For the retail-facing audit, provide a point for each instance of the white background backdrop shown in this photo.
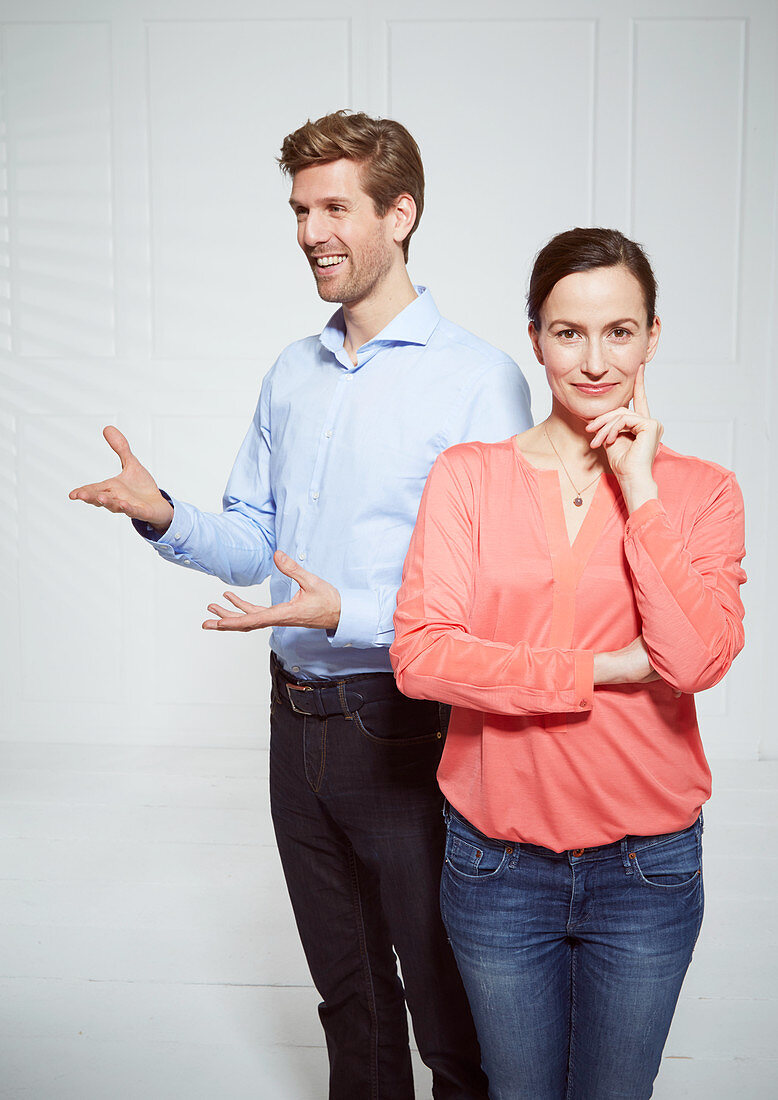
(150, 277)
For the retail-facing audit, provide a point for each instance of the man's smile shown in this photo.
(328, 261)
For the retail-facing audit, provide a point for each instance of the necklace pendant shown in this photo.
(577, 501)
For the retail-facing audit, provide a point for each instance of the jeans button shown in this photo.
(578, 851)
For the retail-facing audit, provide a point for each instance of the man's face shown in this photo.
(350, 249)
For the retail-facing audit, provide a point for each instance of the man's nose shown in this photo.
(315, 229)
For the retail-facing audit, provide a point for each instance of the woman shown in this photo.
(568, 590)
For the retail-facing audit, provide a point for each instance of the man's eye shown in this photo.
(337, 209)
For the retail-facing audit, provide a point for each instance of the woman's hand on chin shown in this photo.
(630, 439)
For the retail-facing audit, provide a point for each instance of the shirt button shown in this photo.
(301, 556)
(295, 668)
(315, 496)
(177, 535)
(328, 434)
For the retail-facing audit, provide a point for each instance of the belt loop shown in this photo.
(625, 854)
(342, 697)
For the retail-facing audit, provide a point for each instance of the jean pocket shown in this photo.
(468, 860)
(672, 864)
(399, 721)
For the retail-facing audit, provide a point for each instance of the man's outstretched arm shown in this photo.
(236, 544)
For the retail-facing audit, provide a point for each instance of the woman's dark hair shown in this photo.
(581, 250)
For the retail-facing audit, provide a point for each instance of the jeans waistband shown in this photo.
(599, 851)
(322, 698)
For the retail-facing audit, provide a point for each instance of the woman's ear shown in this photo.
(535, 338)
(653, 338)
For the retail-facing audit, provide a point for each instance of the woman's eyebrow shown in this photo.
(609, 324)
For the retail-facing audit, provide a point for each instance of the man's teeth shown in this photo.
(329, 261)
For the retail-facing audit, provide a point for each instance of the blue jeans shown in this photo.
(357, 815)
(572, 962)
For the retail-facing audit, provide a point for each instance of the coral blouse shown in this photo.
(499, 615)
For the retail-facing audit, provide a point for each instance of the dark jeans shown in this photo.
(358, 819)
(573, 960)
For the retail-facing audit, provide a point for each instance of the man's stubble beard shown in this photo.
(375, 263)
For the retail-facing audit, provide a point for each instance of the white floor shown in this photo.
(147, 948)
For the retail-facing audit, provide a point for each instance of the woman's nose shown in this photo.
(595, 365)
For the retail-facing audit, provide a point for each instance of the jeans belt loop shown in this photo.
(352, 700)
(625, 856)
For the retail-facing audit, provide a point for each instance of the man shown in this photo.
(323, 496)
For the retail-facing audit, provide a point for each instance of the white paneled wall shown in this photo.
(148, 278)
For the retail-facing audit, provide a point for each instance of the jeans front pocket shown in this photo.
(469, 854)
(471, 862)
(674, 863)
(399, 721)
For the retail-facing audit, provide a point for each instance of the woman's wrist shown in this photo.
(637, 492)
(630, 665)
(604, 669)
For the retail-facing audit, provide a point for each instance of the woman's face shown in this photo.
(593, 336)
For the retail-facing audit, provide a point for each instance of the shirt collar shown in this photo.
(412, 325)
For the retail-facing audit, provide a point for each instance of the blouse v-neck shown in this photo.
(606, 494)
(569, 560)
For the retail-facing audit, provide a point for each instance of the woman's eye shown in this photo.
(568, 334)
(621, 333)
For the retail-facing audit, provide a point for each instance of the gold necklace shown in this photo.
(578, 498)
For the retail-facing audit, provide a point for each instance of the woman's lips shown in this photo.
(594, 388)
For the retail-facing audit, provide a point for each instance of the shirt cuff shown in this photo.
(146, 531)
(358, 623)
(584, 679)
(647, 511)
(171, 541)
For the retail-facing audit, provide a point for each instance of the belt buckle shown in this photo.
(296, 687)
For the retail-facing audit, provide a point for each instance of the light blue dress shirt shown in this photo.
(332, 470)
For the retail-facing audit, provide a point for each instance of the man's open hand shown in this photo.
(132, 493)
(315, 605)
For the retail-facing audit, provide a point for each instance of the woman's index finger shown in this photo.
(639, 399)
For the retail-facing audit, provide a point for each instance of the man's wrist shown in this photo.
(358, 618)
(162, 522)
(334, 614)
